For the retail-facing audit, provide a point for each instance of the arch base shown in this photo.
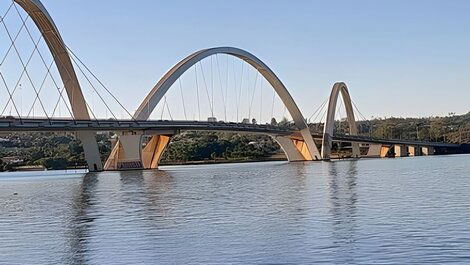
(126, 153)
(153, 151)
(295, 149)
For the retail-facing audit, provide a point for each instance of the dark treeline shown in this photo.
(199, 146)
(59, 151)
(452, 128)
(50, 150)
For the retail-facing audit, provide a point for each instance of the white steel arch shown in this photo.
(160, 89)
(58, 49)
(330, 120)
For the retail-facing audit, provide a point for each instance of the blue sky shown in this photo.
(399, 58)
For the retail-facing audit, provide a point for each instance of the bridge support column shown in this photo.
(153, 151)
(384, 151)
(401, 150)
(414, 151)
(428, 150)
(327, 142)
(295, 150)
(126, 153)
(356, 151)
(374, 150)
(90, 147)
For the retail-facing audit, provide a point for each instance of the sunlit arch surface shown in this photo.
(58, 49)
(44, 22)
(158, 92)
(338, 88)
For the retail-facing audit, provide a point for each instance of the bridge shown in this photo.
(150, 127)
(298, 140)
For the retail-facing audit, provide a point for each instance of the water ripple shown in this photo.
(391, 211)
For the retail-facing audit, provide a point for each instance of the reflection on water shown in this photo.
(367, 211)
(343, 198)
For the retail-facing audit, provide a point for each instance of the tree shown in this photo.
(423, 134)
(55, 163)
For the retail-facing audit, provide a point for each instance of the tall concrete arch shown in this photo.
(328, 131)
(160, 89)
(299, 149)
(51, 35)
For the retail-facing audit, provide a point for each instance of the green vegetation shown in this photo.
(60, 151)
(53, 151)
(199, 146)
(452, 128)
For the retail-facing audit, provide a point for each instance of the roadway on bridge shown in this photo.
(171, 127)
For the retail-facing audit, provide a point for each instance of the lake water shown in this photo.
(399, 211)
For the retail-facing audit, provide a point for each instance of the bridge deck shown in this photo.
(64, 125)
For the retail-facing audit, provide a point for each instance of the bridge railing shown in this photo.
(15, 124)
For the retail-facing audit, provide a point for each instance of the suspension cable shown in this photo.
(182, 98)
(59, 60)
(94, 88)
(91, 110)
(226, 84)
(272, 105)
(100, 82)
(163, 110)
(24, 67)
(221, 87)
(368, 122)
(40, 89)
(57, 104)
(16, 36)
(207, 90)
(45, 65)
(321, 111)
(212, 87)
(323, 116)
(318, 109)
(6, 12)
(168, 108)
(235, 85)
(240, 91)
(197, 93)
(362, 116)
(21, 75)
(8, 90)
(261, 103)
(253, 94)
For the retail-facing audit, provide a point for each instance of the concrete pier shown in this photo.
(428, 150)
(414, 151)
(401, 150)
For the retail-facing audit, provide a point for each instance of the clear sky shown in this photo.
(399, 58)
